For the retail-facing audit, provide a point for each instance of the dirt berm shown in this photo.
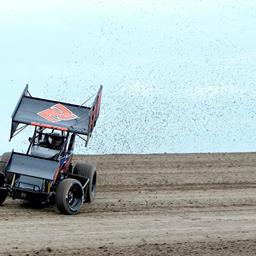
(194, 204)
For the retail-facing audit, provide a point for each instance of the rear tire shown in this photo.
(69, 196)
(89, 171)
(4, 159)
(3, 193)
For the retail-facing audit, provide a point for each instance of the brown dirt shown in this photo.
(194, 204)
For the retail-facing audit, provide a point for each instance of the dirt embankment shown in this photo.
(195, 204)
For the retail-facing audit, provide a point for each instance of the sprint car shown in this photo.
(46, 173)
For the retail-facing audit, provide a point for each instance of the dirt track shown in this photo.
(198, 204)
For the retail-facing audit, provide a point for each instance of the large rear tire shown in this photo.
(88, 171)
(69, 196)
(3, 193)
(4, 159)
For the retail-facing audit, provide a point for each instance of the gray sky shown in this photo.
(178, 76)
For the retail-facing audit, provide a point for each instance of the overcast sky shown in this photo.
(178, 76)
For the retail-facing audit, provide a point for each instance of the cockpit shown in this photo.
(48, 144)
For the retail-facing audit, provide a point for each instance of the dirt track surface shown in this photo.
(197, 204)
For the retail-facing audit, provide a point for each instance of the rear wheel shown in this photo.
(4, 159)
(88, 171)
(3, 193)
(69, 196)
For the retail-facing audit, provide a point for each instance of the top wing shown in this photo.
(56, 115)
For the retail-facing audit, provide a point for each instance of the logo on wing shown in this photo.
(57, 113)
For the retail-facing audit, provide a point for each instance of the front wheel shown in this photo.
(69, 196)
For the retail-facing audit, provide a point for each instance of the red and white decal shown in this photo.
(57, 113)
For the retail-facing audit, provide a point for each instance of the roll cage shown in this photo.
(41, 135)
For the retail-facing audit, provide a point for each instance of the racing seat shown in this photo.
(49, 147)
(47, 153)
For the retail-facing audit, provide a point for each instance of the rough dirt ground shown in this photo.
(195, 204)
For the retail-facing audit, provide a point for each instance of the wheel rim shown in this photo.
(74, 197)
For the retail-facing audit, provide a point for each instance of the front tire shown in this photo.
(88, 171)
(69, 196)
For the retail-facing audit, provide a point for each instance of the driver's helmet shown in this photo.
(55, 140)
